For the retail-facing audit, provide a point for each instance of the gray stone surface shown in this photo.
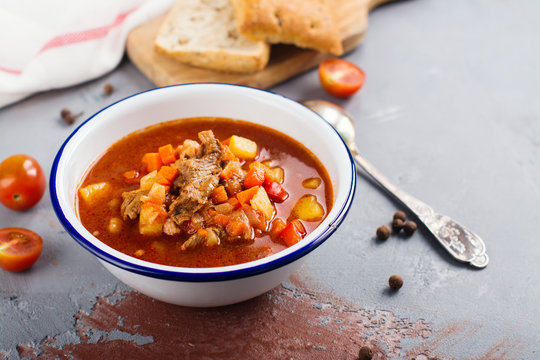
(450, 112)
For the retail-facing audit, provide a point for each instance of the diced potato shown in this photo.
(243, 148)
(150, 229)
(276, 174)
(212, 239)
(114, 203)
(312, 183)
(115, 225)
(158, 246)
(307, 208)
(148, 180)
(158, 192)
(139, 253)
(93, 191)
(261, 202)
(151, 218)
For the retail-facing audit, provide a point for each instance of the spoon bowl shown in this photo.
(460, 242)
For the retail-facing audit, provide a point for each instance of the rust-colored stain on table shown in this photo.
(289, 322)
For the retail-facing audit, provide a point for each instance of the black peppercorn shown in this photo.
(383, 232)
(409, 227)
(64, 113)
(365, 353)
(108, 89)
(67, 116)
(400, 215)
(395, 282)
(397, 224)
(69, 119)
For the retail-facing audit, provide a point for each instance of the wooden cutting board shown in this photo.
(285, 60)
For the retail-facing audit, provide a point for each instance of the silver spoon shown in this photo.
(461, 243)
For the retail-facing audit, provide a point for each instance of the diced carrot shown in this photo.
(166, 175)
(226, 141)
(233, 167)
(277, 227)
(227, 153)
(212, 212)
(131, 176)
(219, 195)
(235, 228)
(220, 219)
(255, 175)
(166, 152)
(152, 161)
(299, 226)
(202, 232)
(234, 202)
(246, 195)
(291, 234)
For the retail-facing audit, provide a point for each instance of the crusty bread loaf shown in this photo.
(305, 23)
(203, 33)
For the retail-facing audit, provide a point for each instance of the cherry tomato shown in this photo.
(340, 77)
(19, 248)
(22, 182)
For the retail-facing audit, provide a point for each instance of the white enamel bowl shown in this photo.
(204, 287)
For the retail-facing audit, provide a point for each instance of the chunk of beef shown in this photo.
(234, 185)
(170, 227)
(197, 178)
(240, 215)
(211, 236)
(194, 241)
(131, 206)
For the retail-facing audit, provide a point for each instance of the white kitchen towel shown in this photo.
(50, 44)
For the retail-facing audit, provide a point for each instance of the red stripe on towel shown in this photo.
(76, 37)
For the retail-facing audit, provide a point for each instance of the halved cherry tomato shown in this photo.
(340, 77)
(19, 248)
(22, 182)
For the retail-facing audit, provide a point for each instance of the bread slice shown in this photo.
(304, 23)
(203, 33)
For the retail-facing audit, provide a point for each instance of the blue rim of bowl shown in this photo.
(207, 276)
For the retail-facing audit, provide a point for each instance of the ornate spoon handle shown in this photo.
(461, 243)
